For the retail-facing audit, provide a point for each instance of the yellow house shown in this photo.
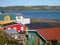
(7, 19)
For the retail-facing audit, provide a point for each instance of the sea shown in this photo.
(40, 14)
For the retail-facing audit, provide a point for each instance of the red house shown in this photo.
(17, 27)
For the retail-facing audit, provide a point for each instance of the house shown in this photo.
(41, 36)
(34, 37)
(17, 31)
(7, 18)
(20, 19)
(21, 37)
(17, 27)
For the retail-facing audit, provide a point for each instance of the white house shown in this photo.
(20, 19)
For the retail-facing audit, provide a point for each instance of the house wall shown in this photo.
(20, 37)
(26, 21)
(33, 37)
(22, 20)
(17, 27)
(7, 18)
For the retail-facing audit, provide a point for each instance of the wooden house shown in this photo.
(7, 18)
(34, 37)
(17, 27)
(41, 36)
(20, 19)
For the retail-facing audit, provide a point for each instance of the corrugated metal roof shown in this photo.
(38, 25)
(50, 33)
(10, 31)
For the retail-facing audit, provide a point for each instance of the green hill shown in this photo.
(32, 8)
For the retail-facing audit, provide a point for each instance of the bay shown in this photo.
(41, 14)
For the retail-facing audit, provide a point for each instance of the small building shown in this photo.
(20, 37)
(20, 19)
(17, 27)
(7, 18)
(41, 36)
(34, 37)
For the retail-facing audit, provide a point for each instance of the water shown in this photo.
(42, 14)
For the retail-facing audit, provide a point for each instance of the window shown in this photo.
(29, 35)
(24, 39)
(16, 36)
(14, 28)
(41, 42)
(18, 30)
(7, 18)
(22, 28)
(32, 36)
(9, 28)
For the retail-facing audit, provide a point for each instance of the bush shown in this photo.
(33, 43)
(27, 43)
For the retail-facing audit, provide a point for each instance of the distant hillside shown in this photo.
(32, 8)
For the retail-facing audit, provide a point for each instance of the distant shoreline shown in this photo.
(32, 8)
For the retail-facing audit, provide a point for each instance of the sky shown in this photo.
(4, 3)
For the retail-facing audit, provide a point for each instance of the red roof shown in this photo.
(15, 26)
(50, 33)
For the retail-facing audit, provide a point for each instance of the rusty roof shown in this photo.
(50, 33)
